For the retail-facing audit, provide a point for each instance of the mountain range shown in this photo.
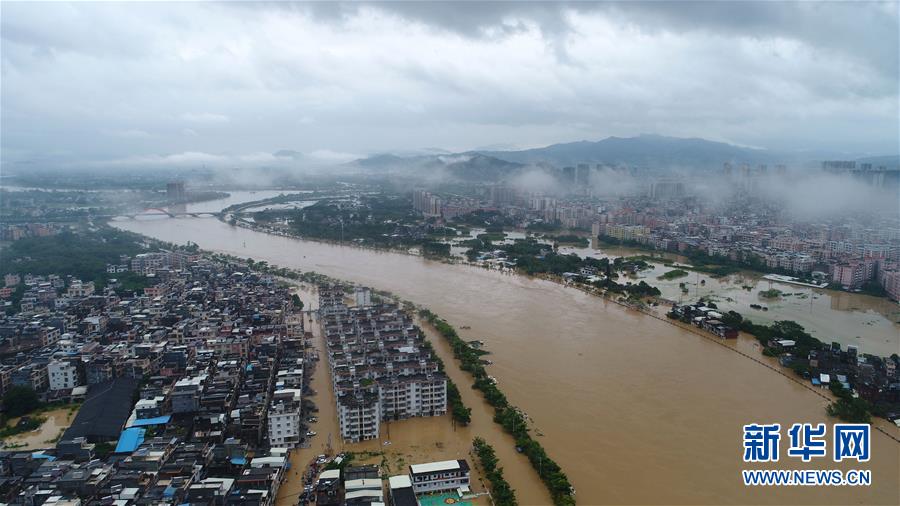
(650, 153)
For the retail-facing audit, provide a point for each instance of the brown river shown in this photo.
(635, 410)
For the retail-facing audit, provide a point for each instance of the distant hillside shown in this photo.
(477, 166)
(463, 166)
(647, 152)
(644, 151)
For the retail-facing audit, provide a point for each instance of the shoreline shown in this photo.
(787, 373)
(781, 278)
(639, 249)
(555, 429)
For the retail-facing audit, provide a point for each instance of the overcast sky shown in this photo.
(195, 83)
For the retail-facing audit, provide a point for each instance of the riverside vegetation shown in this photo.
(508, 416)
(501, 493)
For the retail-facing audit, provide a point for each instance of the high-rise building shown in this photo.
(838, 166)
(666, 188)
(501, 194)
(426, 203)
(582, 174)
(175, 191)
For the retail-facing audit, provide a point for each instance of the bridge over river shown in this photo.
(159, 211)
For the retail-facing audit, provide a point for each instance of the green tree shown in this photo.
(20, 401)
(851, 409)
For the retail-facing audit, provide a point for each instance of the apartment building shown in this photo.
(63, 374)
(186, 394)
(79, 288)
(285, 429)
(441, 476)
(853, 275)
(331, 300)
(380, 369)
(359, 414)
(33, 376)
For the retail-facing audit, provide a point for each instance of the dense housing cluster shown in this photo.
(381, 369)
(733, 218)
(193, 389)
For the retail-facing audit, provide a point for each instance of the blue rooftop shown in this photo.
(130, 439)
(159, 420)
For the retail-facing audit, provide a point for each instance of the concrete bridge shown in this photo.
(121, 216)
(158, 211)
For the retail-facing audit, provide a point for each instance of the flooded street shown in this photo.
(413, 441)
(635, 410)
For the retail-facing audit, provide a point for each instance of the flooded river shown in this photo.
(637, 411)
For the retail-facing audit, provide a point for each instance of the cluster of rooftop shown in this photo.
(194, 390)
(363, 486)
(381, 368)
(743, 222)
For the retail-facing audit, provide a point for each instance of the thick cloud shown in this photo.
(228, 84)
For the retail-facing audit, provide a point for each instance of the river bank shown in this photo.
(636, 410)
(657, 311)
(869, 323)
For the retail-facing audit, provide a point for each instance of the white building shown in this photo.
(440, 476)
(359, 415)
(411, 395)
(363, 490)
(63, 375)
(80, 289)
(294, 325)
(290, 377)
(284, 418)
(362, 296)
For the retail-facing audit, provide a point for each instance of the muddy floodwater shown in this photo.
(870, 323)
(57, 421)
(405, 442)
(635, 410)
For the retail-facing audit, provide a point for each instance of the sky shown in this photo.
(243, 84)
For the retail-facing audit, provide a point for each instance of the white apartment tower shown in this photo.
(284, 419)
(63, 375)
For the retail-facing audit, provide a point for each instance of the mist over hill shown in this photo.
(644, 153)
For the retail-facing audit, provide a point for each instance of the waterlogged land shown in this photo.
(412, 441)
(635, 410)
(56, 421)
(870, 323)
